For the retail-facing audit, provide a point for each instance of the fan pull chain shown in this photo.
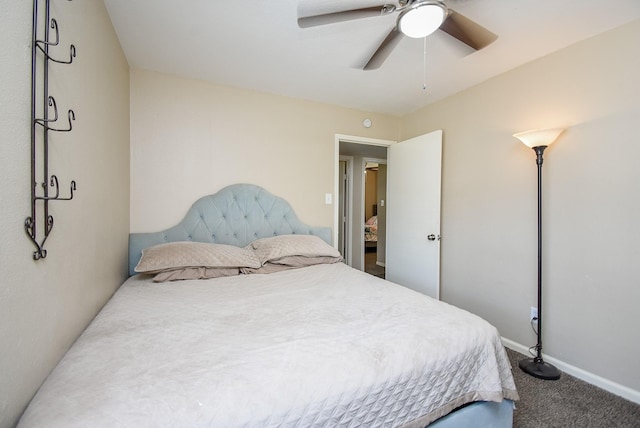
(424, 66)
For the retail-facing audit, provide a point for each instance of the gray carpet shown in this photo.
(568, 402)
(370, 265)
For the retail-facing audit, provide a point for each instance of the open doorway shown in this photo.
(355, 209)
(412, 248)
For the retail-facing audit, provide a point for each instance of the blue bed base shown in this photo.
(481, 414)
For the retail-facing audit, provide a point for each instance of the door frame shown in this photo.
(336, 177)
(365, 160)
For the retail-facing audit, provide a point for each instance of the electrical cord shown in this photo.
(533, 350)
(533, 325)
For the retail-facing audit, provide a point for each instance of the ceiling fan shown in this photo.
(417, 19)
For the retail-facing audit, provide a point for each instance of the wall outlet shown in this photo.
(533, 315)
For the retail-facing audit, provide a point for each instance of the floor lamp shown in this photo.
(539, 140)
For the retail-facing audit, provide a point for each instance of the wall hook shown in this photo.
(40, 140)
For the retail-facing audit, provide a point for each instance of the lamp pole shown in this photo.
(536, 366)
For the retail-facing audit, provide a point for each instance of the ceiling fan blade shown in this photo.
(467, 31)
(384, 50)
(346, 15)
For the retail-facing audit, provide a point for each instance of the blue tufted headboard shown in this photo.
(236, 215)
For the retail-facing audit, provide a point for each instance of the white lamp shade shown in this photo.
(422, 19)
(539, 137)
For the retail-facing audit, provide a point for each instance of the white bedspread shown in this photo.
(320, 346)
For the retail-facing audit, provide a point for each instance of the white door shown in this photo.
(413, 213)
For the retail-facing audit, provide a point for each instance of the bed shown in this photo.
(371, 232)
(294, 339)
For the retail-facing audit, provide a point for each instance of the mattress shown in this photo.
(324, 345)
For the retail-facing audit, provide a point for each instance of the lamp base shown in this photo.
(538, 368)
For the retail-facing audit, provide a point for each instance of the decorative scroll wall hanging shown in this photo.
(46, 35)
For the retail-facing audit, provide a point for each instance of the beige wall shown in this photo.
(591, 202)
(190, 138)
(44, 305)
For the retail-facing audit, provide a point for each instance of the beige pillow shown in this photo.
(267, 268)
(195, 273)
(176, 255)
(276, 248)
(291, 262)
(302, 261)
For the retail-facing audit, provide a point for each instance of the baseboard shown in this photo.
(380, 264)
(593, 379)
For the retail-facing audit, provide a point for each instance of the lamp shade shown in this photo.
(539, 137)
(422, 19)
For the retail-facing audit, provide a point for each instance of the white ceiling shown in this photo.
(256, 44)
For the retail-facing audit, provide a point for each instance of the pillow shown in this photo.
(175, 255)
(302, 261)
(195, 273)
(267, 268)
(278, 249)
(291, 262)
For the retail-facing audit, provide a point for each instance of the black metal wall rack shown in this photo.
(42, 123)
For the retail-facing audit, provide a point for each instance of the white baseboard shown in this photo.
(593, 379)
(380, 264)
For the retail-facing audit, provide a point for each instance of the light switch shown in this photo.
(382, 202)
(328, 198)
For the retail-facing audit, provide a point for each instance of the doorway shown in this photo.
(354, 209)
(412, 248)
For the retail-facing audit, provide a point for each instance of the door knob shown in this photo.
(433, 237)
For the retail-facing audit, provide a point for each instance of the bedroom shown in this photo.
(144, 138)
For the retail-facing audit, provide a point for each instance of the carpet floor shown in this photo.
(370, 265)
(568, 402)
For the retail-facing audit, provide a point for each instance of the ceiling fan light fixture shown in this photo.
(422, 19)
